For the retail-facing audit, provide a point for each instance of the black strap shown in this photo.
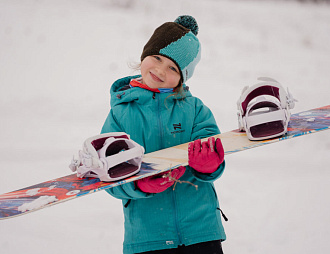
(127, 203)
(223, 215)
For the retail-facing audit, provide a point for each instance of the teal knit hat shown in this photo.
(177, 41)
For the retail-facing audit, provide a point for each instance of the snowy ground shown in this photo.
(57, 61)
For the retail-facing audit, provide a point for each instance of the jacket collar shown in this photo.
(137, 83)
(139, 94)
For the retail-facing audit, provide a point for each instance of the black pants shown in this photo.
(213, 247)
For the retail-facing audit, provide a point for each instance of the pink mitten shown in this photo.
(160, 182)
(203, 157)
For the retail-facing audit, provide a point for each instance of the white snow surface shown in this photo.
(57, 62)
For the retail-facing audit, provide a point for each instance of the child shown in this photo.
(157, 111)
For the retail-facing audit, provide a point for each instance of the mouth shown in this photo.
(155, 77)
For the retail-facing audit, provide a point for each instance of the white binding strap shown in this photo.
(278, 115)
(93, 161)
(122, 156)
(266, 82)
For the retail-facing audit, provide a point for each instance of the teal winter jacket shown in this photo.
(182, 216)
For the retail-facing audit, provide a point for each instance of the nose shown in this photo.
(160, 70)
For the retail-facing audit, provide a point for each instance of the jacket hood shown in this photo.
(120, 95)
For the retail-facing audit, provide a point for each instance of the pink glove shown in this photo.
(158, 183)
(203, 157)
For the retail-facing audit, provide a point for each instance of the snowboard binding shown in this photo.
(109, 157)
(264, 110)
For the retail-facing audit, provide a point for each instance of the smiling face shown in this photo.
(160, 72)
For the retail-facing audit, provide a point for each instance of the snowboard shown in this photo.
(62, 189)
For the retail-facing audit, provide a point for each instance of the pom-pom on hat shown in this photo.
(177, 41)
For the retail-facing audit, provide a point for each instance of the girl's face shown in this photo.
(159, 72)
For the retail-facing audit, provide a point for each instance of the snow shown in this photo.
(57, 61)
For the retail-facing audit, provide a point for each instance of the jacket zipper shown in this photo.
(176, 219)
(162, 146)
(159, 118)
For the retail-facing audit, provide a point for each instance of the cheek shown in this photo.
(144, 71)
(175, 79)
(145, 65)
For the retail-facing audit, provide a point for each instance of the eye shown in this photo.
(174, 69)
(157, 58)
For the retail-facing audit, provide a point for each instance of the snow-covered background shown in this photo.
(57, 62)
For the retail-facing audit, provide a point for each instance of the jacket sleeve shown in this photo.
(128, 190)
(111, 124)
(205, 126)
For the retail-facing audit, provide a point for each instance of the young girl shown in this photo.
(157, 111)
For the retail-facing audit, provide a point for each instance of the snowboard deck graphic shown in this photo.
(62, 189)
